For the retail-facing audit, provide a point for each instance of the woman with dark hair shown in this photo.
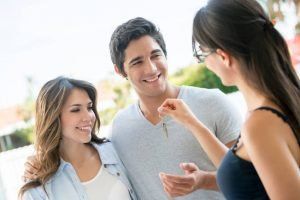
(73, 163)
(238, 42)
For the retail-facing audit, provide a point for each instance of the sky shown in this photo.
(49, 38)
(45, 39)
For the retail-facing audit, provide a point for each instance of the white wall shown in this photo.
(11, 171)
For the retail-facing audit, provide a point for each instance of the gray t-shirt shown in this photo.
(146, 151)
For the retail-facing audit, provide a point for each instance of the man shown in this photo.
(149, 145)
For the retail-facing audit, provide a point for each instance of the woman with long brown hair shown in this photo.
(73, 163)
(237, 41)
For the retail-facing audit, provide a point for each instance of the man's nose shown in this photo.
(150, 66)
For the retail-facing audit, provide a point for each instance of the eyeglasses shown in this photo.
(200, 55)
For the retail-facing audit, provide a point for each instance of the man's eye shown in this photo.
(136, 63)
(156, 55)
(90, 108)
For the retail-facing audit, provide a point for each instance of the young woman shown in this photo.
(73, 162)
(238, 42)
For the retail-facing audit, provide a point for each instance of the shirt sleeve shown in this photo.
(28, 195)
(36, 193)
(229, 119)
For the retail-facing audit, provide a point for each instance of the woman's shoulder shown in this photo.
(263, 127)
(34, 193)
(107, 152)
(106, 144)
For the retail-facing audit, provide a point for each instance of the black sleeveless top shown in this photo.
(237, 178)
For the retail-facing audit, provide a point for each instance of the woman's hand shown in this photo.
(178, 110)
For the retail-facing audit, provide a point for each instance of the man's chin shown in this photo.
(154, 92)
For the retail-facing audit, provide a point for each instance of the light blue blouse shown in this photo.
(65, 184)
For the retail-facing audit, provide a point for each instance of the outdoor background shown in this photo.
(40, 40)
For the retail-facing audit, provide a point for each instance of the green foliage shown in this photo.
(107, 115)
(199, 76)
(121, 99)
(122, 92)
(21, 137)
(297, 27)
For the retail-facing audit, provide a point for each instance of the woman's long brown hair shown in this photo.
(242, 28)
(48, 128)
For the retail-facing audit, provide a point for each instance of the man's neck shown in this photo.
(149, 105)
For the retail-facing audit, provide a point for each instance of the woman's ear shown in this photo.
(230, 63)
(226, 57)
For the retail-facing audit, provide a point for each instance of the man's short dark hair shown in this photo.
(132, 30)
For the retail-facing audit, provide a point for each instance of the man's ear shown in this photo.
(117, 70)
(226, 57)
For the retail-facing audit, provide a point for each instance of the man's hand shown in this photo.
(31, 169)
(193, 179)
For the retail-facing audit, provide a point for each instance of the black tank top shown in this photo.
(237, 178)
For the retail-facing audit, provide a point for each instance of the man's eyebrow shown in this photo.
(156, 51)
(140, 57)
(135, 59)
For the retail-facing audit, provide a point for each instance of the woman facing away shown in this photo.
(238, 42)
(73, 162)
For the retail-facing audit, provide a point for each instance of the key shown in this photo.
(165, 129)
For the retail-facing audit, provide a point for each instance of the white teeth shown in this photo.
(152, 80)
(84, 128)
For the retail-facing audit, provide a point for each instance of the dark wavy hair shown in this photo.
(242, 28)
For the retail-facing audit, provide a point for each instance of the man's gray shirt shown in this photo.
(146, 151)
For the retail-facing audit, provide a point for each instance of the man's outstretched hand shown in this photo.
(193, 179)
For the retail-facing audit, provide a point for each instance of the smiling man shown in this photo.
(149, 145)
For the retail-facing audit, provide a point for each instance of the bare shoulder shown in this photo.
(273, 149)
(264, 127)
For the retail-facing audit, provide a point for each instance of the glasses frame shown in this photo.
(201, 55)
